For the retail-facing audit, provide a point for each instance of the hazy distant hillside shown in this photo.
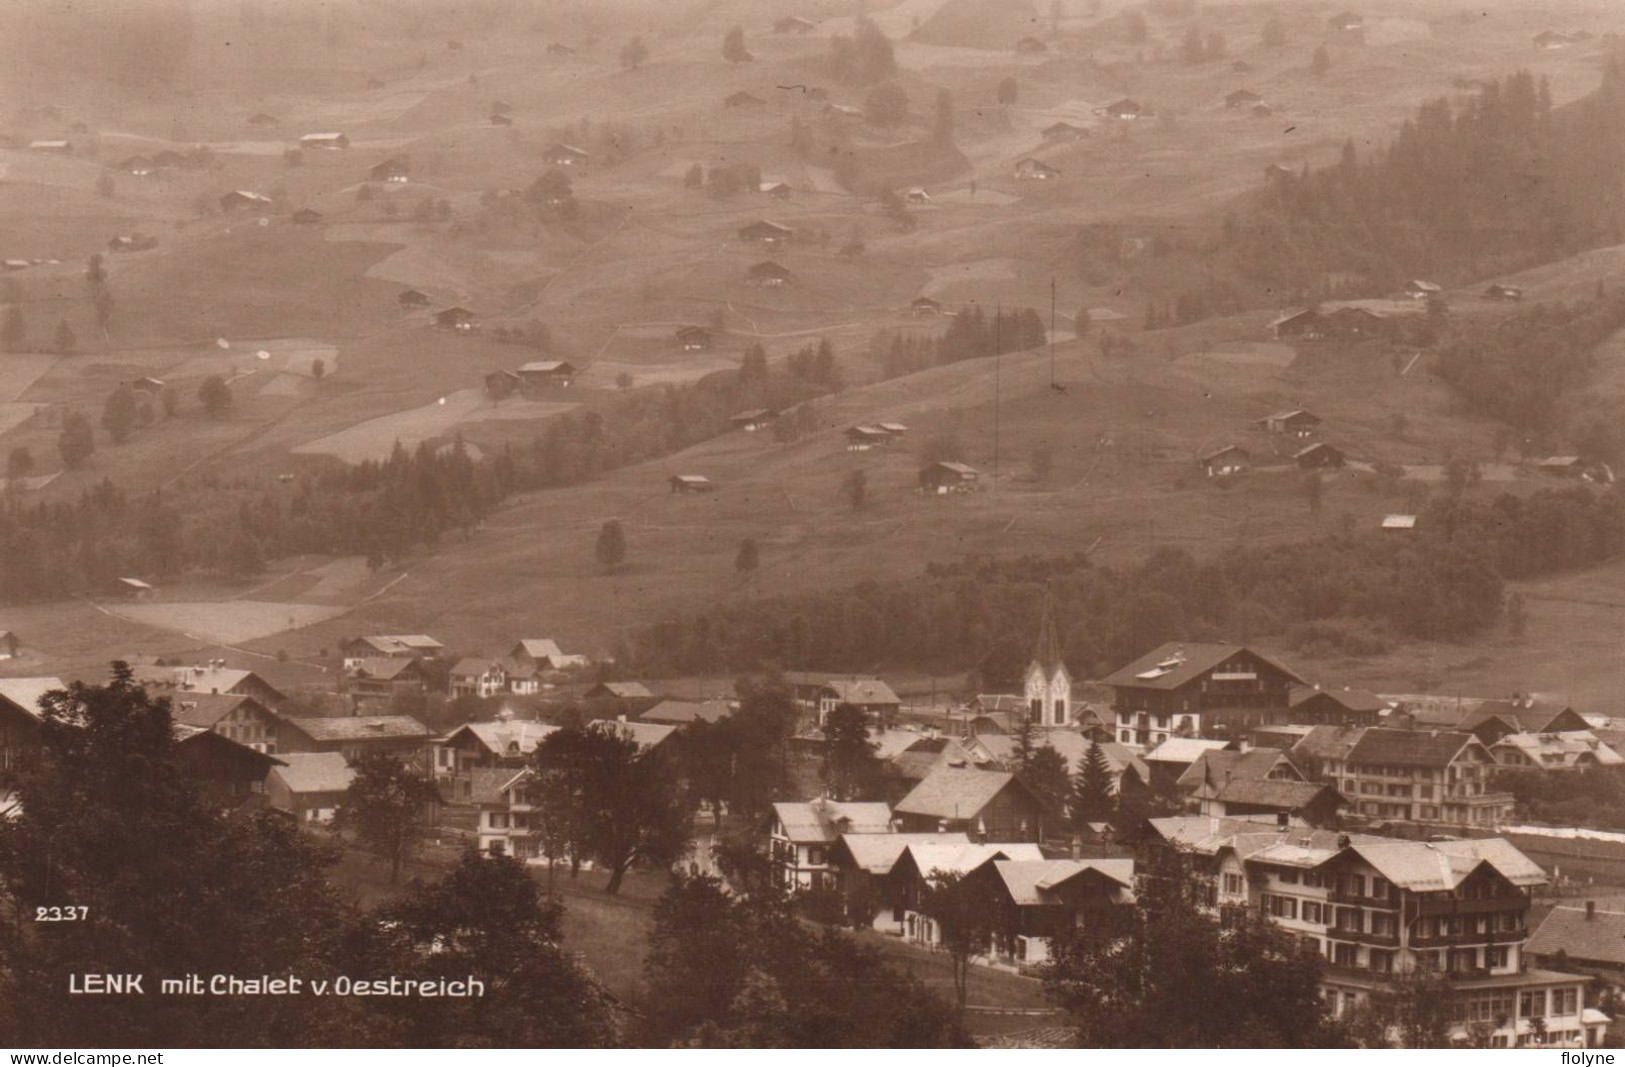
(995, 24)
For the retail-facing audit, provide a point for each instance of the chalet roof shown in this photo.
(1399, 522)
(624, 690)
(954, 793)
(1033, 163)
(765, 225)
(1408, 748)
(1532, 716)
(1353, 699)
(1318, 446)
(693, 331)
(25, 693)
(691, 479)
(1225, 451)
(962, 859)
(1599, 939)
(823, 821)
(540, 648)
(548, 366)
(1172, 665)
(1033, 882)
(315, 772)
(505, 737)
(1568, 749)
(769, 269)
(1063, 127)
(1072, 746)
(383, 668)
(862, 691)
(1257, 837)
(924, 301)
(206, 709)
(894, 428)
(1221, 765)
(1426, 866)
(1185, 750)
(682, 712)
(862, 432)
(390, 643)
(877, 852)
(955, 467)
(474, 666)
(648, 735)
(1264, 792)
(1327, 742)
(1296, 414)
(321, 137)
(360, 727)
(1125, 106)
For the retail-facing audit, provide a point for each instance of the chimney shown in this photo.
(1591, 910)
(1077, 846)
(1283, 820)
(1343, 841)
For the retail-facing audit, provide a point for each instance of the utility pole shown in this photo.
(998, 321)
(1052, 331)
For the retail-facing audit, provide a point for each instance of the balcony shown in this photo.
(1451, 906)
(1494, 937)
(1363, 938)
(1338, 896)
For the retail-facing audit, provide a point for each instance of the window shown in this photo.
(1384, 924)
(1382, 961)
(1312, 911)
(1346, 956)
(1281, 907)
(1379, 888)
(1289, 877)
(1495, 956)
(1232, 885)
(1565, 1001)
(1356, 885)
(499, 820)
(815, 856)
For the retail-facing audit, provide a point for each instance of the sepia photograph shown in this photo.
(797, 524)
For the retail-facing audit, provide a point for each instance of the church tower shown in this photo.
(1049, 683)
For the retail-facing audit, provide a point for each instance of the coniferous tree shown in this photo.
(1093, 791)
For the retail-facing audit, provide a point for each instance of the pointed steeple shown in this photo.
(1047, 654)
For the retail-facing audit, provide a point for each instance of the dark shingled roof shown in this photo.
(1327, 742)
(954, 793)
(1408, 748)
(1600, 939)
(1194, 659)
(1288, 796)
(361, 728)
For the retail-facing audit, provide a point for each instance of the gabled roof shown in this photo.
(473, 667)
(823, 821)
(25, 693)
(1034, 882)
(548, 366)
(1218, 765)
(360, 728)
(962, 859)
(1172, 665)
(954, 793)
(1426, 866)
(953, 466)
(1318, 446)
(1264, 792)
(1353, 699)
(207, 709)
(862, 691)
(540, 648)
(624, 690)
(683, 712)
(1327, 742)
(1409, 748)
(1598, 939)
(1569, 749)
(1183, 750)
(383, 668)
(504, 737)
(648, 735)
(877, 852)
(315, 772)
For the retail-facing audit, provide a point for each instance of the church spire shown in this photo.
(1048, 652)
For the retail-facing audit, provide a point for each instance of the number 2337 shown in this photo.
(72, 913)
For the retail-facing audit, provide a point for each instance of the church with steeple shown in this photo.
(1049, 683)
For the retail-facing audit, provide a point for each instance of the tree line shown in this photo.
(1444, 583)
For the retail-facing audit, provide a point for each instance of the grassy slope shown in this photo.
(651, 255)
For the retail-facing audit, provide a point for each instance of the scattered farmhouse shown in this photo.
(245, 200)
(564, 155)
(767, 232)
(324, 141)
(392, 169)
(545, 374)
(310, 786)
(1320, 456)
(769, 275)
(691, 483)
(1294, 423)
(1059, 132)
(459, 319)
(947, 476)
(694, 338)
(1225, 461)
(1030, 169)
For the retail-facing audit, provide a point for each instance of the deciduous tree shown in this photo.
(387, 808)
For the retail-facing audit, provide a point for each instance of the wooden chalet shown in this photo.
(947, 476)
(767, 232)
(691, 483)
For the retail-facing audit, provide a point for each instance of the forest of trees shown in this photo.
(972, 334)
(1517, 367)
(380, 509)
(1494, 184)
(1357, 588)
